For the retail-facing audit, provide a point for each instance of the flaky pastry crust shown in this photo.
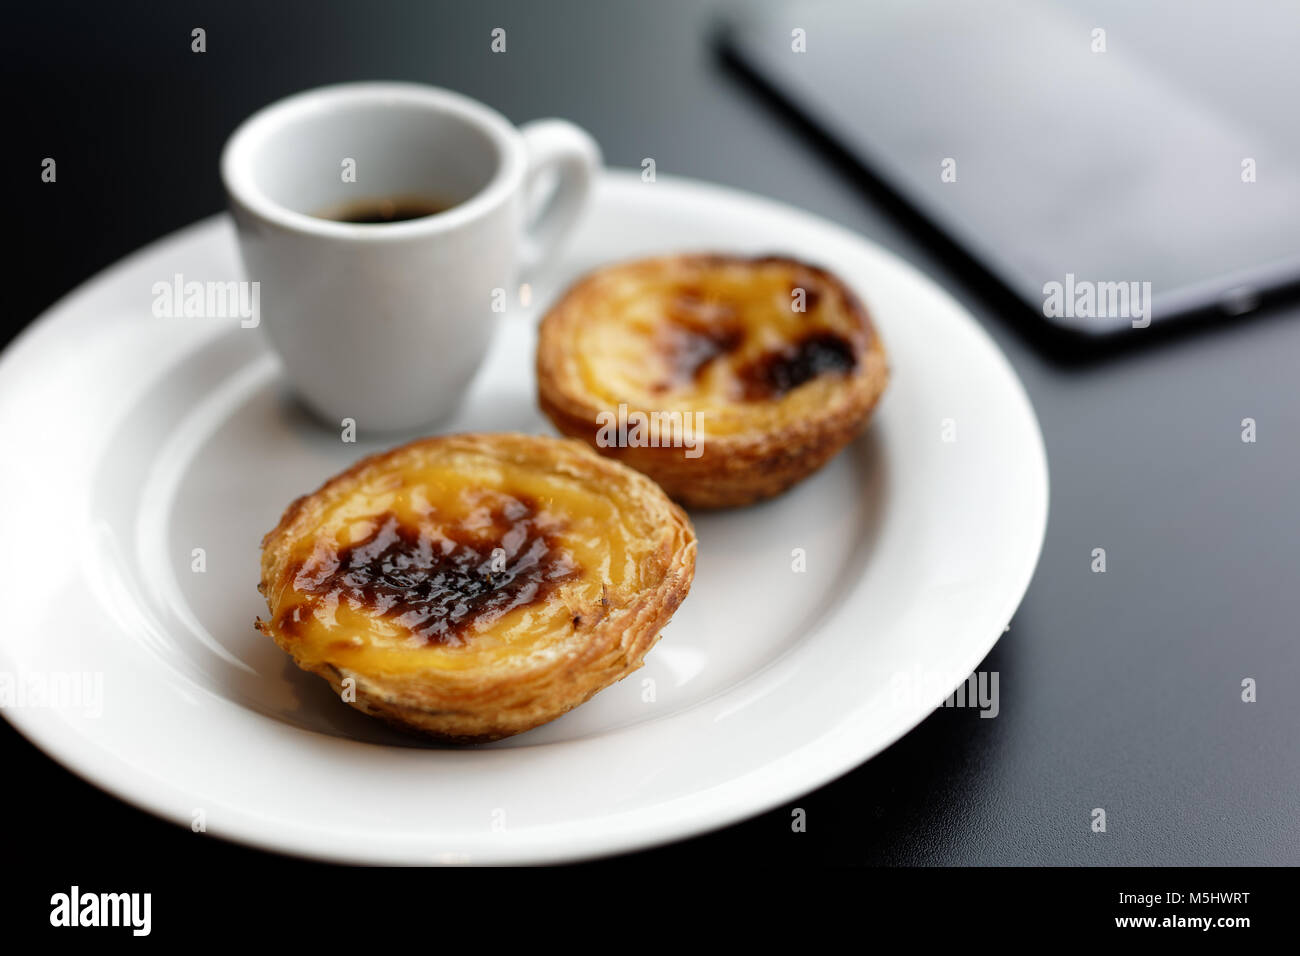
(776, 360)
(470, 587)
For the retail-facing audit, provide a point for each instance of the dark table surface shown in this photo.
(1119, 690)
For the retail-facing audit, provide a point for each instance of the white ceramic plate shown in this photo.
(131, 440)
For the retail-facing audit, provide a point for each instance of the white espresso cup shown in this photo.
(386, 323)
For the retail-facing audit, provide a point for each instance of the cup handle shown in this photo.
(555, 148)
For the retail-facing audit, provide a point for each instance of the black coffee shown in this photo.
(386, 209)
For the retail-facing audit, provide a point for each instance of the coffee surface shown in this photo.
(385, 209)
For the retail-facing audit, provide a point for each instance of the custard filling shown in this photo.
(735, 340)
(456, 564)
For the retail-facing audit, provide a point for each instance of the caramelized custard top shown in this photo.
(456, 557)
(435, 581)
(774, 373)
(728, 337)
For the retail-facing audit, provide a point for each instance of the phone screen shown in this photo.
(1088, 182)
